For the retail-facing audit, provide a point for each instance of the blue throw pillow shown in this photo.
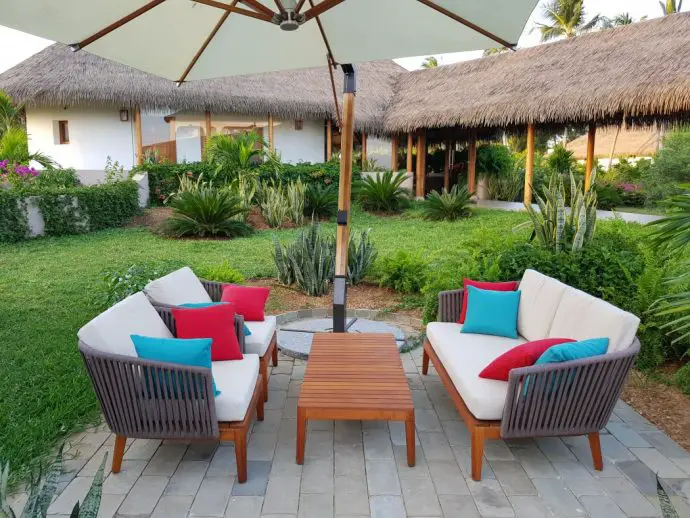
(195, 305)
(574, 351)
(195, 352)
(492, 312)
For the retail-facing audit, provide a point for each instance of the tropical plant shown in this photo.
(495, 50)
(561, 160)
(321, 201)
(494, 160)
(206, 211)
(294, 195)
(120, 284)
(41, 494)
(57, 179)
(273, 204)
(383, 192)
(552, 226)
(244, 186)
(507, 187)
(14, 147)
(430, 62)
(447, 205)
(618, 20)
(565, 18)
(230, 154)
(10, 114)
(360, 257)
(222, 272)
(670, 6)
(372, 166)
(402, 272)
(113, 171)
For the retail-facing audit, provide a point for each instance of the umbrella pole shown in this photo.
(342, 239)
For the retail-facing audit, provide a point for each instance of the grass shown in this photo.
(48, 288)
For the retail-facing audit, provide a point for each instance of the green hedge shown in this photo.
(69, 211)
(164, 178)
(325, 173)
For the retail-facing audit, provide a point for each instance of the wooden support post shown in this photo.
(138, 144)
(421, 164)
(529, 164)
(410, 144)
(446, 166)
(364, 148)
(271, 141)
(329, 139)
(589, 164)
(472, 161)
(207, 129)
(394, 153)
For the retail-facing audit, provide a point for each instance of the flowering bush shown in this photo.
(632, 194)
(16, 174)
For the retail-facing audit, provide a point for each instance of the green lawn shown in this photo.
(48, 287)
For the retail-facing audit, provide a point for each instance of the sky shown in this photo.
(16, 46)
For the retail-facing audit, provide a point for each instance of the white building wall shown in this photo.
(94, 134)
(305, 145)
(379, 149)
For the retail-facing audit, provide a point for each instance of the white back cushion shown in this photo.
(538, 303)
(581, 316)
(179, 287)
(110, 331)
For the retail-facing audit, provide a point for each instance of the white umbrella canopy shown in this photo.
(184, 40)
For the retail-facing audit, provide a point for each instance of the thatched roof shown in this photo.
(634, 141)
(56, 77)
(642, 70)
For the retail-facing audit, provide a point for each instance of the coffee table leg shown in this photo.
(301, 435)
(409, 432)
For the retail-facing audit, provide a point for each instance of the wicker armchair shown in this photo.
(570, 398)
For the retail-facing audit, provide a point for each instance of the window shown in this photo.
(63, 132)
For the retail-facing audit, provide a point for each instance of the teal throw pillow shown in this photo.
(574, 351)
(195, 352)
(492, 312)
(195, 305)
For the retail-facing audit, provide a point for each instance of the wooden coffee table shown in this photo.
(355, 376)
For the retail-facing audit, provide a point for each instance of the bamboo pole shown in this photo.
(271, 141)
(364, 149)
(138, 143)
(329, 140)
(421, 164)
(394, 153)
(446, 167)
(472, 161)
(410, 144)
(589, 164)
(529, 164)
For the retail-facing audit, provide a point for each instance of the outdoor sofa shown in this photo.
(155, 400)
(557, 399)
(183, 286)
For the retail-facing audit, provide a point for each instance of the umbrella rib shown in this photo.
(335, 95)
(258, 6)
(324, 6)
(115, 25)
(238, 10)
(299, 5)
(280, 6)
(467, 23)
(205, 44)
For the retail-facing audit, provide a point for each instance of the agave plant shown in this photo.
(360, 257)
(553, 226)
(321, 201)
(447, 205)
(206, 211)
(41, 494)
(295, 196)
(383, 192)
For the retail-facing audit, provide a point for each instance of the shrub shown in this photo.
(230, 154)
(671, 166)
(120, 284)
(321, 201)
(274, 206)
(57, 179)
(245, 188)
(682, 378)
(494, 160)
(560, 160)
(383, 192)
(14, 223)
(164, 178)
(294, 196)
(608, 197)
(507, 187)
(206, 211)
(631, 194)
(220, 272)
(402, 272)
(326, 173)
(447, 206)
(360, 257)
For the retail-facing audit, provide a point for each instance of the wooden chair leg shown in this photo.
(275, 352)
(301, 436)
(409, 438)
(260, 407)
(477, 442)
(595, 446)
(118, 452)
(241, 456)
(425, 362)
(263, 371)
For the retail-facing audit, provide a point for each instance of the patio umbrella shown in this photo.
(184, 40)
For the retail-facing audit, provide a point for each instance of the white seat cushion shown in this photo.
(110, 331)
(236, 381)
(179, 287)
(581, 316)
(260, 339)
(464, 356)
(538, 303)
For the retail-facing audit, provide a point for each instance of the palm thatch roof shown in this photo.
(57, 77)
(640, 70)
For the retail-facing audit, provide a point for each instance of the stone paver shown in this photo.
(359, 470)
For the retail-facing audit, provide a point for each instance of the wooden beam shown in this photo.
(529, 164)
(258, 6)
(345, 188)
(394, 153)
(320, 8)
(207, 128)
(421, 164)
(410, 144)
(589, 163)
(138, 143)
(472, 161)
(329, 139)
(364, 148)
(271, 141)
(238, 10)
(446, 166)
(205, 44)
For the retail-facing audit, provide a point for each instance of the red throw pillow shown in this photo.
(482, 285)
(216, 322)
(523, 355)
(249, 301)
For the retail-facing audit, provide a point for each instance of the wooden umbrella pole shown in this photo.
(345, 188)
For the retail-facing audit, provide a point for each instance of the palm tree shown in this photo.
(495, 50)
(430, 62)
(565, 18)
(670, 6)
(9, 113)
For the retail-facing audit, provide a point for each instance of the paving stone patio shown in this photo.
(356, 470)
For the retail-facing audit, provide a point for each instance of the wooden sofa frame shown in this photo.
(570, 398)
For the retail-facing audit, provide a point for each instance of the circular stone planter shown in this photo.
(296, 329)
